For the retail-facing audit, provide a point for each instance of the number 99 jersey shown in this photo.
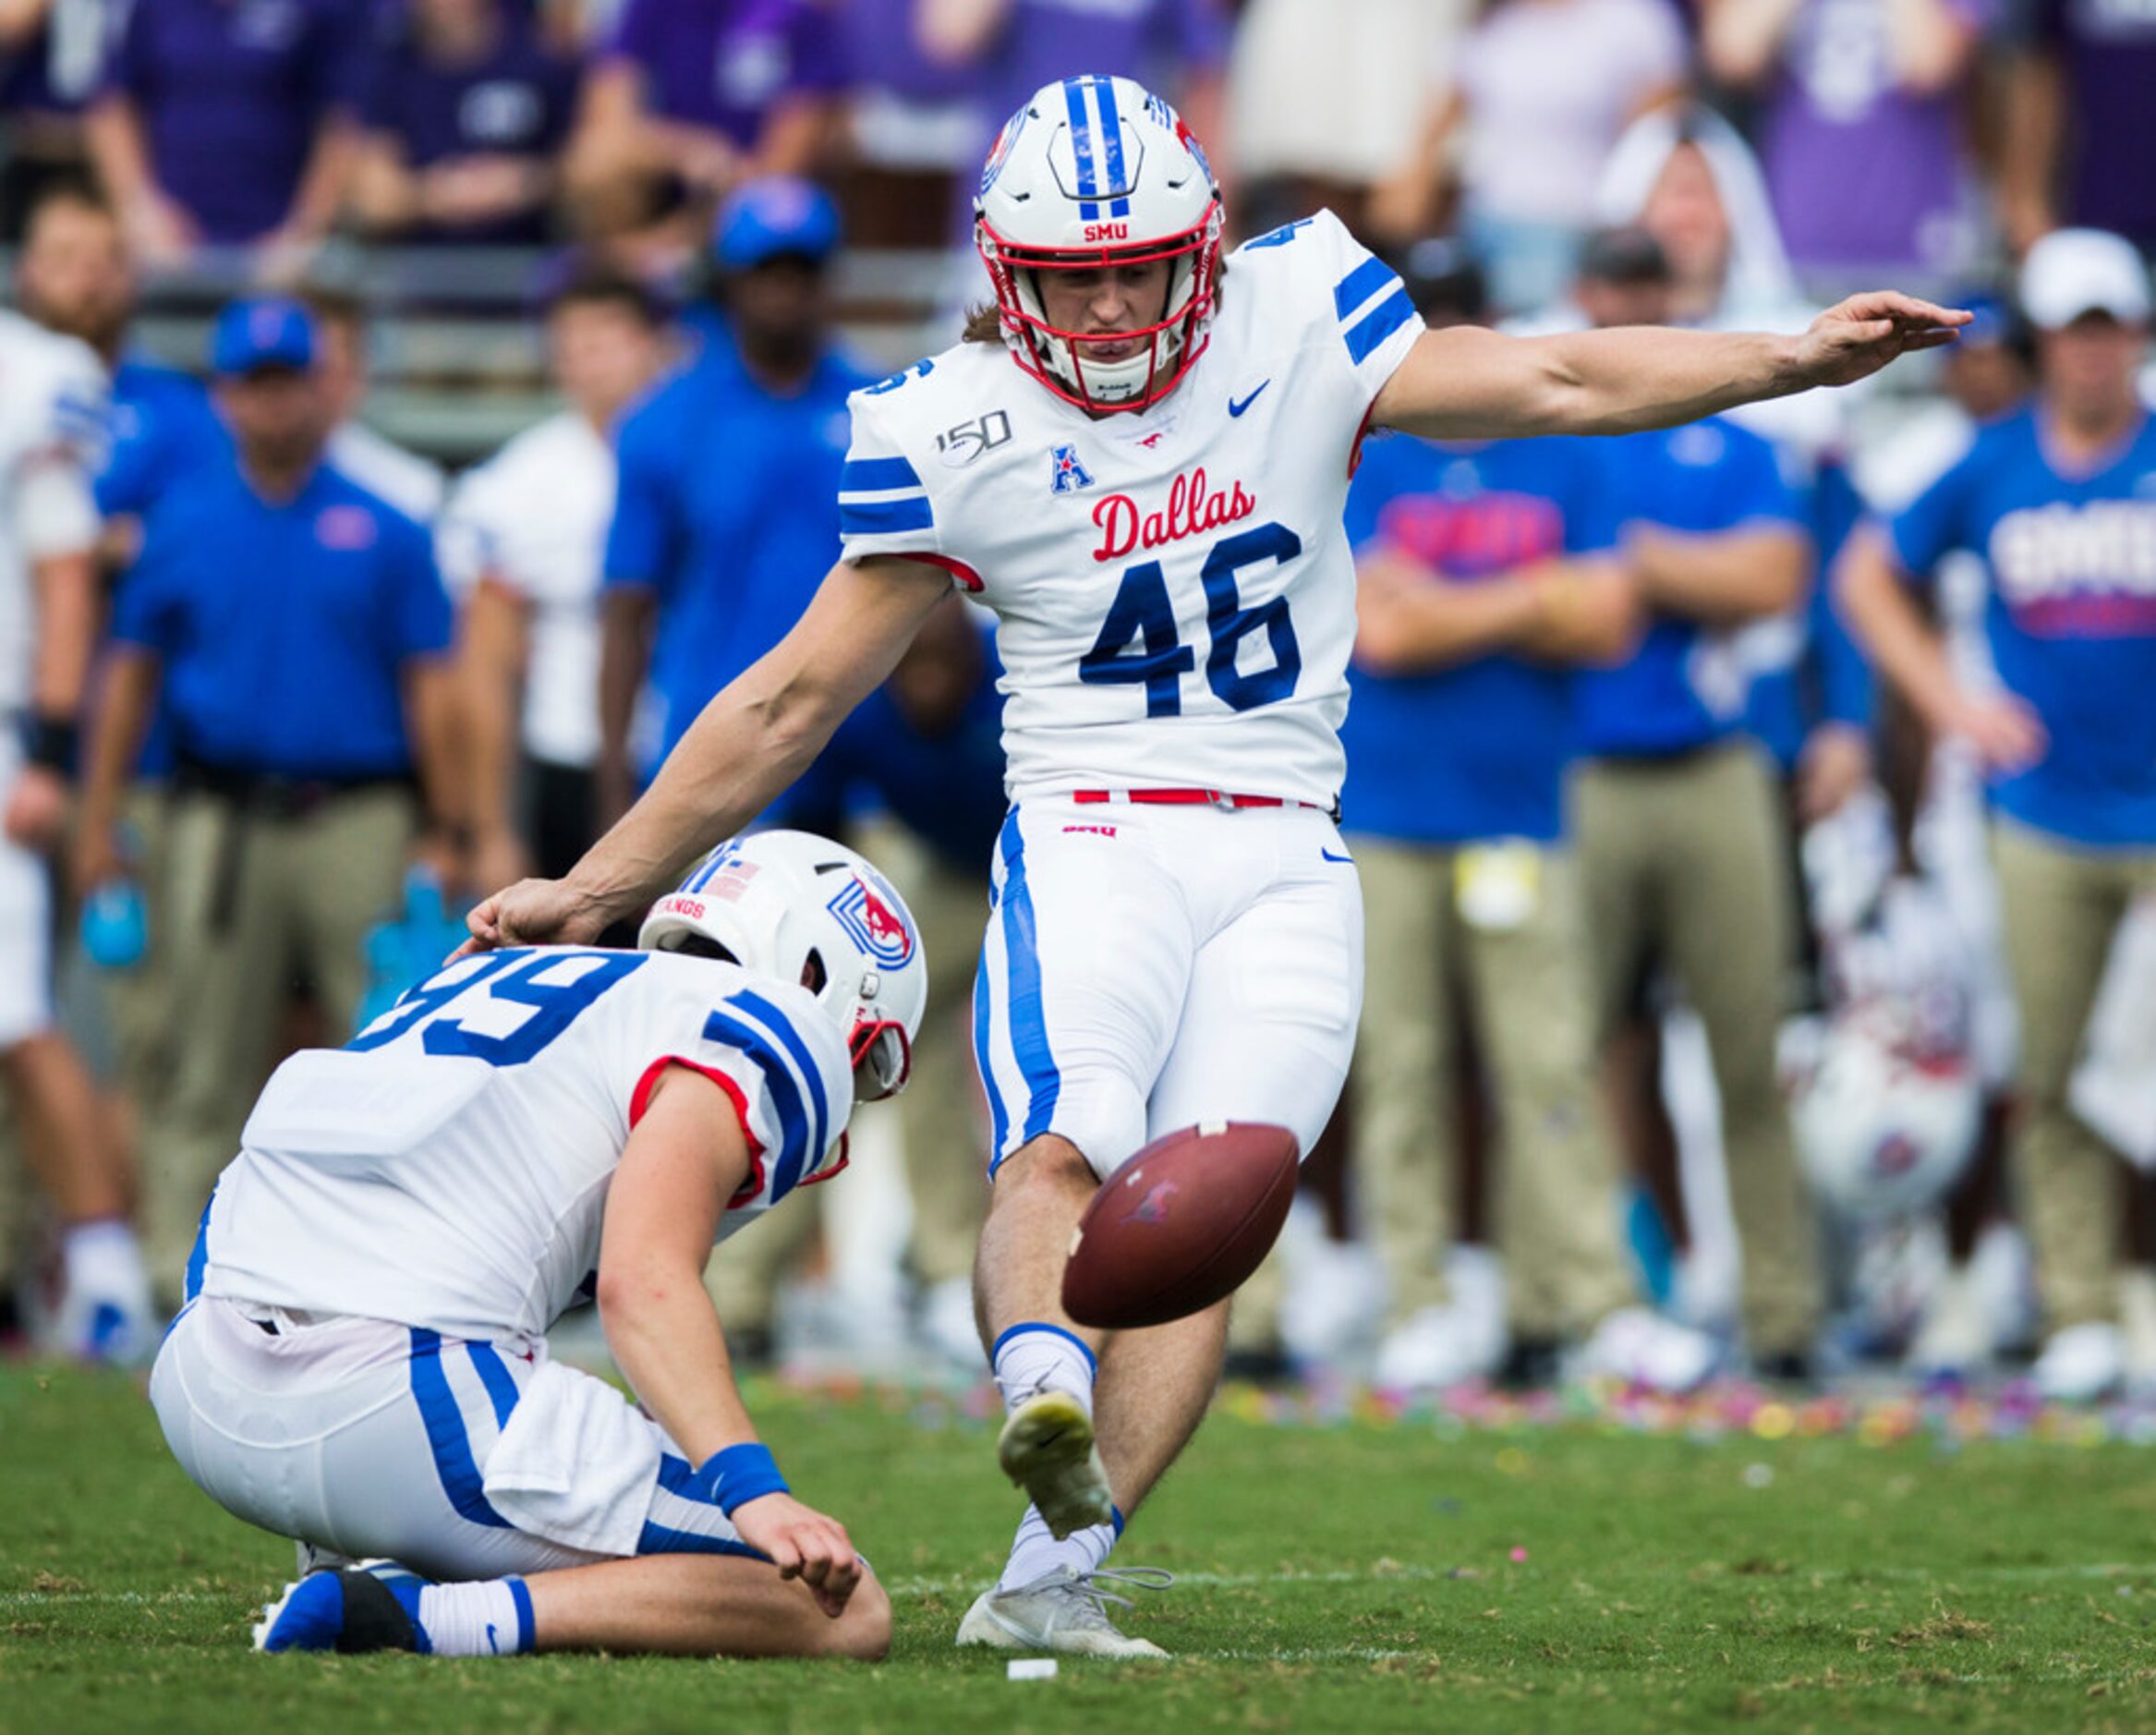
(449, 1167)
(1175, 591)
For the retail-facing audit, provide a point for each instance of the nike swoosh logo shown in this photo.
(493, 1644)
(1330, 856)
(1236, 409)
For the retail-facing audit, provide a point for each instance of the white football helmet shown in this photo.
(1098, 172)
(1884, 1130)
(806, 910)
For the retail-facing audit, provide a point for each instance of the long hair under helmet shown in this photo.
(1096, 173)
(806, 910)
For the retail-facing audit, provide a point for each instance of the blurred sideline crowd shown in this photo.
(1756, 820)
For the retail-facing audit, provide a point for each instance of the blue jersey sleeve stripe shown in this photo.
(1359, 284)
(785, 1097)
(886, 517)
(868, 475)
(452, 1446)
(781, 1026)
(1029, 1027)
(1379, 324)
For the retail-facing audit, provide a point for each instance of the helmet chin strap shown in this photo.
(1111, 384)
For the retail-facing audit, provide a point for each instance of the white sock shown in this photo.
(1033, 1357)
(1035, 1553)
(103, 1258)
(492, 1618)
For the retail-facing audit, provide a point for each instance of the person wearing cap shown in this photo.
(727, 505)
(1483, 585)
(729, 471)
(295, 626)
(522, 544)
(2058, 501)
(1681, 825)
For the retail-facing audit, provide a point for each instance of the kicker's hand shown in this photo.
(1858, 338)
(533, 913)
(803, 1543)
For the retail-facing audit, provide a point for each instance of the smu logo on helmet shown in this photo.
(872, 925)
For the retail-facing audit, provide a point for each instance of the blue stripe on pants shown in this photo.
(445, 1432)
(999, 1116)
(678, 1477)
(495, 1375)
(1029, 1024)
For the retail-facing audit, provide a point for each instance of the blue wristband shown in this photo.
(739, 1475)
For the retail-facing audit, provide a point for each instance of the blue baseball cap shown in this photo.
(779, 216)
(1993, 321)
(261, 332)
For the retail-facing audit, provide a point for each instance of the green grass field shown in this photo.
(1358, 1576)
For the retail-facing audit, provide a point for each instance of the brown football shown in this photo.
(1180, 1225)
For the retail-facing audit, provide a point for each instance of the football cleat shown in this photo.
(344, 1609)
(1062, 1611)
(1046, 1448)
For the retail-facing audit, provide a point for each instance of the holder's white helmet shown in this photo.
(806, 910)
(1093, 172)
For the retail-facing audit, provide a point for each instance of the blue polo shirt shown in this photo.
(728, 510)
(1828, 680)
(1476, 750)
(2070, 613)
(284, 630)
(229, 94)
(1686, 685)
(163, 426)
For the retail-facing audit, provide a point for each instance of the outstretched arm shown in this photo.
(685, 1158)
(1467, 383)
(752, 740)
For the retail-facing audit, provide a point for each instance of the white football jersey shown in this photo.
(449, 1167)
(52, 441)
(534, 518)
(1174, 590)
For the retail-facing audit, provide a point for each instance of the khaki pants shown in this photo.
(251, 904)
(2063, 907)
(1685, 863)
(1526, 987)
(941, 1114)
